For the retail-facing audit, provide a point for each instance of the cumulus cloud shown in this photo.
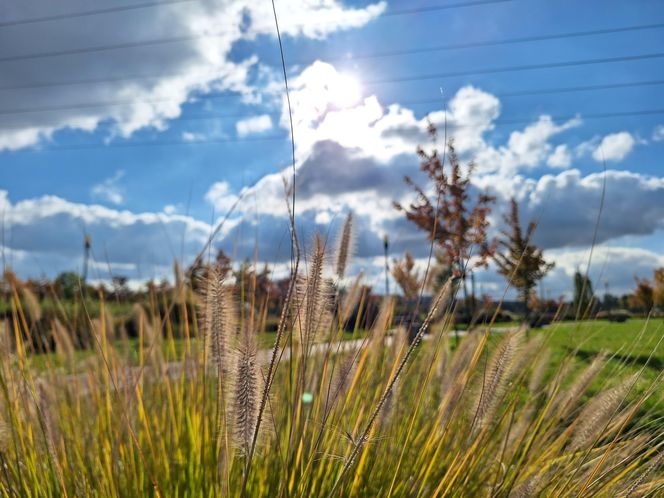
(567, 205)
(110, 189)
(352, 154)
(658, 133)
(614, 147)
(364, 125)
(618, 266)
(256, 124)
(354, 157)
(190, 136)
(132, 88)
(45, 235)
(525, 149)
(560, 158)
(221, 197)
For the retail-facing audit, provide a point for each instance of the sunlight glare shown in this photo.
(344, 91)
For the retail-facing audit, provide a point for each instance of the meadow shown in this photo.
(572, 409)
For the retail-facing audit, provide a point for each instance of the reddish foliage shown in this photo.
(456, 224)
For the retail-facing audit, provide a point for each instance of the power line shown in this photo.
(211, 116)
(96, 12)
(164, 143)
(187, 38)
(100, 48)
(87, 81)
(124, 8)
(520, 93)
(435, 8)
(525, 67)
(554, 90)
(438, 48)
(504, 69)
(491, 43)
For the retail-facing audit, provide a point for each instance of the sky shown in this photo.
(142, 124)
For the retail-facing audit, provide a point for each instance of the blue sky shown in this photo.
(144, 146)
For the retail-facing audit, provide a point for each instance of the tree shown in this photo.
(456, 223)
(520, 261)
(441, 271)
(406, 276)
(68, 284)
(658, 287)
(583, 295)
(610, 302)
(643, 297)
(120, 288)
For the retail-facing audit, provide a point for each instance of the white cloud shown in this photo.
(256, 124)
(45, 236)
(561, 157)
(617, 266)
(323, 218)
(658, 133)
(526, 149)
(221, 197)
(312, 18)
(364, 125)
(567, 205)
(197, 65)
(110, 189)
(190, 136)
(354, 157)
(614, 147)
(25, 137)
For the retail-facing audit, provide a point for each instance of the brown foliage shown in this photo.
(658, 287)
(519, 260)
(643, 297)
(451, 219)
(406, 276)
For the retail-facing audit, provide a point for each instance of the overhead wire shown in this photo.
(93, 12)
(130, 102)
(283, 137)
(164, 3)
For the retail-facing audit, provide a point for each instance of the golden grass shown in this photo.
(387, 418)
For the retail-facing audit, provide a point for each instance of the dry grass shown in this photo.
(390, 418)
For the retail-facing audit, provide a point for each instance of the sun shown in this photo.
(344, 90)
(321, 88)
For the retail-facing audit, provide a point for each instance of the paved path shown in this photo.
(129, 376)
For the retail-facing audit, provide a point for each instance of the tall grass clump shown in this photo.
(388, 413)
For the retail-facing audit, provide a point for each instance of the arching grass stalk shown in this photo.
(440, 298)
(269, 378)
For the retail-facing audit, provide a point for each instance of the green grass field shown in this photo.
(633, 341)
(632, 347)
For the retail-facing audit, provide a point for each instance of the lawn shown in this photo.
(634, 346)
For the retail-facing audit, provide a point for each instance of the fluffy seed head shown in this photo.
(344, 245)
(63, 343)
(351, 299)
(569, 398)
(312, 314)
(218, 316)
(598, 412)
(245, 392)
(497, 376)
